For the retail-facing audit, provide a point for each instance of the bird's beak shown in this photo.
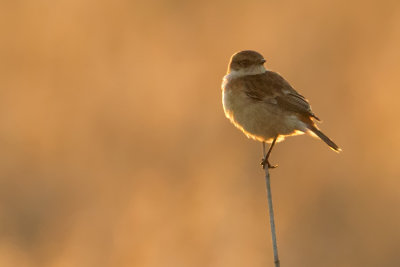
(262, 61)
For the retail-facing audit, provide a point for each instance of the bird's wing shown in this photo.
(273, 88)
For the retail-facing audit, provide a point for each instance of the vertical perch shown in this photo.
(271, 212)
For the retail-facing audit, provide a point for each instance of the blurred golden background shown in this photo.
(115, 150)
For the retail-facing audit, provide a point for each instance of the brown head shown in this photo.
(246, 60)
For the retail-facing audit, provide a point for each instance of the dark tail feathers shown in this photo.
(325, 138)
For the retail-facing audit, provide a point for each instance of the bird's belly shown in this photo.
(260, 120)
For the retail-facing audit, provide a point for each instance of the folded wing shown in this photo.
(273, 88)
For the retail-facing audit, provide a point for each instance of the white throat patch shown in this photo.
(253, 70)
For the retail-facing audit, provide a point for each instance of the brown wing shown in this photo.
(273, 88)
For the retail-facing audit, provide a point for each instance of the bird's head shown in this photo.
(246, 62)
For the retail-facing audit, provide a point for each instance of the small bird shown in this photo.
(263, 105)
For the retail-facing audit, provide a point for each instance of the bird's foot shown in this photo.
(265, 162)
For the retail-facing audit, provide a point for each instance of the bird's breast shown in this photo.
(260, 120)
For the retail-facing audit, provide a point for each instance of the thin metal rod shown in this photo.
(271, 213)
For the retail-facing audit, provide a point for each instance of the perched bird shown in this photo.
(264, 105)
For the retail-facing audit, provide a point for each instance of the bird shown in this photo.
(264, 106)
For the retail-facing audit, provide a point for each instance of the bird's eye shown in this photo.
(244, 63)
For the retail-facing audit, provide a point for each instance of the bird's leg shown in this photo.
(265, 161)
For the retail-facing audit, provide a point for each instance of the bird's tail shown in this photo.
(324, 138)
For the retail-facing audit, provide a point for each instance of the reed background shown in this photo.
(114, 150)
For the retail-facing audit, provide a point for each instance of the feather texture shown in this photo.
(270, 85)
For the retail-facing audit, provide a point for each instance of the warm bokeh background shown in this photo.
(114, 150)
